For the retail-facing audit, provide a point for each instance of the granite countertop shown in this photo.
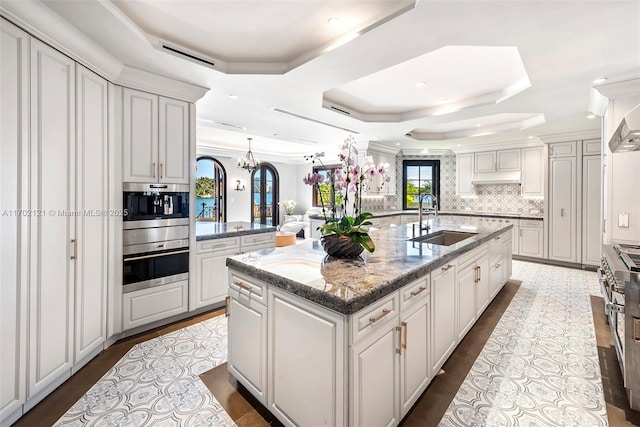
(347, 286)
(207, 230)
(380, 214)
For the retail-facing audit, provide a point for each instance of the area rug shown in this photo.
(156, 383)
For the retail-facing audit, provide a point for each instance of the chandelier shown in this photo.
(249, 162)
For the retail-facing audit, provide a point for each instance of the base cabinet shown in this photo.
(153, 304)
(415, 369)
(443, 303)
(467, 296)
(531, 239)
(306, 352)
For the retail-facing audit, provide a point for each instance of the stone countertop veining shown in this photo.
(207, 230)
(347, 286)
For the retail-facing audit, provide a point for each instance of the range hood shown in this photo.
(627, 135)
(496, 178)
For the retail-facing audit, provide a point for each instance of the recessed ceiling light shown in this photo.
(530, 137)
(334, 21)
(478, 125)
(420, 84)
(600, 80)
(233, 96)
(444, 100)
(591, 116)
(397, 143)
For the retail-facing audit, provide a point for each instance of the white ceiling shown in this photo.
(520, 69)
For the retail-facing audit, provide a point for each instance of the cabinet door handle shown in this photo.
(562, 212)
(477, 273)
(153, 169)
(447, 268)
(497, 265)
(636, 329)
(242, 285)
(498, 238)
(160, 170)
(374, 319)
(418, 292)
(399, 349)
(406, 335)
(74, 244)
(226, 306)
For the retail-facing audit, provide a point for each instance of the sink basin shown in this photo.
(443, 237)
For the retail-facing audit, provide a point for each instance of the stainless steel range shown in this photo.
(620, 282)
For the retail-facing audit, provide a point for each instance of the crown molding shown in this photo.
(571, 136)
(136, 78)
(533, 142)
(620, 89)
(224, 152)
(382, 148)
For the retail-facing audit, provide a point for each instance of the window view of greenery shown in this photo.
(205, 187)
(326, 194)
(420, 177)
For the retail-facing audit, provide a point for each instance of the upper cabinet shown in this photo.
(464, 174)
(155, 138)
(532, 171)
(497, 161)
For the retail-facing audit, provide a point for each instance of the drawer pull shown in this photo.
(242, 285)
(374, 319)
(497, 265)
(226, 306)
(447, 268)
(636, 329)
(418, 292)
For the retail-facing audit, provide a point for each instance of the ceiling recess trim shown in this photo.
(300, 116)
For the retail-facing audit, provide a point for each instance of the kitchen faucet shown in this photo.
(433, 209)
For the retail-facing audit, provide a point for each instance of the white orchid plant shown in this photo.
(289, 206)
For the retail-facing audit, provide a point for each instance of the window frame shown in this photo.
(331, 169)
(222, 185)
(435, 179)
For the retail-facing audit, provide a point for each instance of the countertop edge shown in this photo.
(351, 306)
(234, 233)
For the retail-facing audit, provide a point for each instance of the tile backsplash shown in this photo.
(498, 198)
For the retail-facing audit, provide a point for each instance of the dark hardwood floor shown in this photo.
(428, 411)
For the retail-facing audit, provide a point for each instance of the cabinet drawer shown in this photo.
(152, 304)
(473, 255)
(248, 289)
(373, 317)
(414, 291)
(530, 223)
(258, 239)
(218, 245)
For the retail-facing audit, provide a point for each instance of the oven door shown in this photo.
(148, 269)
(617, 326)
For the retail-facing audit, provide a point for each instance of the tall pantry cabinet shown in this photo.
(574, 202)
(54, 171)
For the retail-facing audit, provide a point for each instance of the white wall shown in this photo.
(239, 202)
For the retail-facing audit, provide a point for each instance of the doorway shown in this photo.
(264, 200)
(211, 196)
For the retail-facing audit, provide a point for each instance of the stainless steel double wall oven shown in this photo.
(619, 277)
(155, 235)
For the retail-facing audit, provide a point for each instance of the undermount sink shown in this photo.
(443, 237)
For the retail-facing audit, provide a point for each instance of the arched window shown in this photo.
(264, 197)
(211, 196)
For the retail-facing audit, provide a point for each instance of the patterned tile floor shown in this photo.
(540, 366)
(156, 383)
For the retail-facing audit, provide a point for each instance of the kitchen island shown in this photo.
(322, 341)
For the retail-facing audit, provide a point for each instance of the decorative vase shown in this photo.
(341, 246)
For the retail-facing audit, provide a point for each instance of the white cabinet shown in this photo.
(247, 343)
(562, 213)
(306, 352)
(375, 378)
(563, 149)
(466, 291)
(483, 286)
(212, 274)
(464, 174)
(314, 224)
(443, 305)
(152, 304)
(92, 190)
(14, 134)
(155, 138)
(55, 146)
(591, 205)
(499, 262)
(497, 161)
(531, 238)
(532, 171)
(53, 237)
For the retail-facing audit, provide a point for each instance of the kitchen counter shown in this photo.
(207, 230)
(346, 286)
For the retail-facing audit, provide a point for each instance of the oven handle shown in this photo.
(609, 307)
(136, 258)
